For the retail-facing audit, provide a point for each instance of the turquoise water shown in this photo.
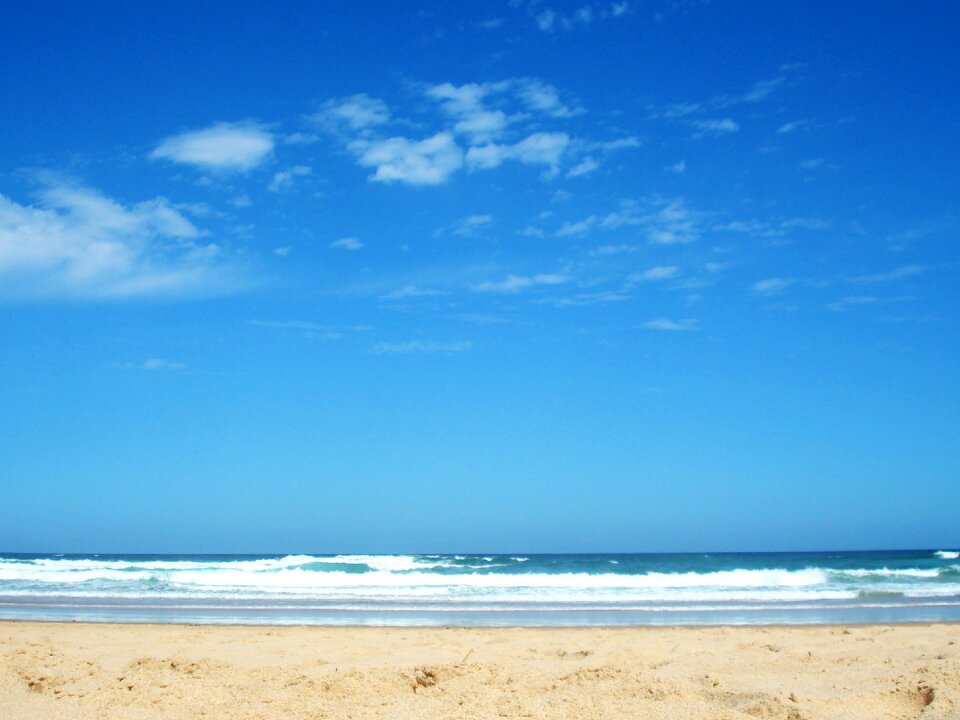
(528, 590)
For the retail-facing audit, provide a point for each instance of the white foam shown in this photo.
(947, 554)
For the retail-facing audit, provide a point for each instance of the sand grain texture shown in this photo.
(50, 670)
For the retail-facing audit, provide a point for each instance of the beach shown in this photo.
(88, 670)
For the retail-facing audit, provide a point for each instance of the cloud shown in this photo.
(161, 364)
(852, 300)
(397, 159)
(516, 283)
(543, 148)
(569, 229)
(678, 168)
(905, 271)
(471, 225)
(716, 128)
(465, 105)
(77, 242)
(660, 272)
(306, 328)
(410, 291)
(356, 112)
(606, 250)
(772, 286)
(665, 222)
(546, 20)
(543, 98)
(792, 126)
(224, 147)
(665, 324)
(283, 180)
(584, 167)
(347, 243)
(811, 163)
(761, 90)
(420, 346)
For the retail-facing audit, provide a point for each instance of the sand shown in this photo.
(77, 670)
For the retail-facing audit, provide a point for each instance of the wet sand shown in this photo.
(78, 670)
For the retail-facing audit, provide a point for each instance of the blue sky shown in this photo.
(523, 276)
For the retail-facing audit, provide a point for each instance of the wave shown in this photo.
(947, 554)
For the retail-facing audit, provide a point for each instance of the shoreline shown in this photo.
(91, 670)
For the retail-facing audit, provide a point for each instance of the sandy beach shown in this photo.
(77, 670)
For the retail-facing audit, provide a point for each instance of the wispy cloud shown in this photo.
(673, 325)
(306, 328)
(716, 128)
(356, 113)
(665, 222)
(284, 179)
(659, 272)
(852, 301)
(76, 242)
(471, 225)
(792, 126)
(772, 286)
(543, 148)
(516, 283)
(900, 273)
(421, 346)
(224, 147)
(408, 292)
(347, 243)
(584, 167)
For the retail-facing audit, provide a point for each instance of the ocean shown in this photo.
(486, 590)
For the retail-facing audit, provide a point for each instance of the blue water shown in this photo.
(486, 590)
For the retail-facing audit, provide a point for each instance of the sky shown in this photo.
(527, 276)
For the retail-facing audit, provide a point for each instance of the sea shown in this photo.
(528, 590)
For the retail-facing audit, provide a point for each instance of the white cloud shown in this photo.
(241, 201)
(544, 98)
(424, 162)
(584, 167)
(282, 251)
(161, 364)
(772, 286)
(678, 167)
(410, 291)
(546, 20)
(357, 112)
(853, 300)
(659, 272)
(471, 225)
(606, 250)
(544, 148)
(792, 126)
(421, 346)
(283, 180)
(223, 147)
(465, 105)
(347, 243)
(665, 222)
(79, 243)
(569, 229)
(716, 128)
(665, 324)
(811, 163)
(762, 90)
(905, 271)
(299, 138)
(516, 283)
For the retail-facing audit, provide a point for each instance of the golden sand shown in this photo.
(77, 670)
